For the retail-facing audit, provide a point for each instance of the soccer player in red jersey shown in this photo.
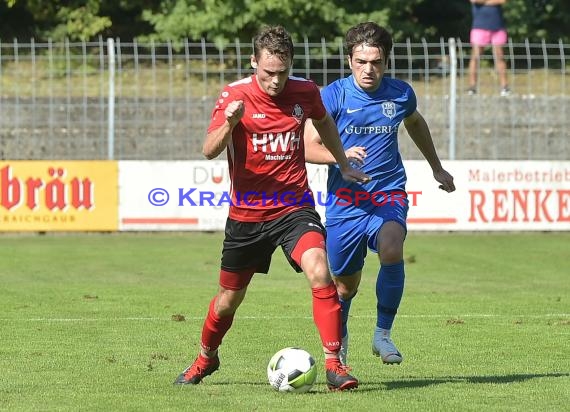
(260, 120)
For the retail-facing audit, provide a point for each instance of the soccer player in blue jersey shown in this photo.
(368, 108)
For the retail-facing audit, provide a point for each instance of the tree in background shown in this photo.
(224, 20)
(538, 19)
(75, 19)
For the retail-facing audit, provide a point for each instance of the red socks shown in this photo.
(327, 316)
(214, 328)
(332, 364)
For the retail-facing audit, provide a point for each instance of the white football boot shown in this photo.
(383, 347)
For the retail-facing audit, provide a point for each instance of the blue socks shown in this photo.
(345, 308)
(389, 291)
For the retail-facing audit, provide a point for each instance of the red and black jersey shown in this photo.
(266, 155)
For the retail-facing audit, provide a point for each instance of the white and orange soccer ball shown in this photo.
(292, 370)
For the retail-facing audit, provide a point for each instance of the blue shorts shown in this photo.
(349, 238)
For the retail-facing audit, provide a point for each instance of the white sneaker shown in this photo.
(342, 354)
(505, 92)
(383, 347)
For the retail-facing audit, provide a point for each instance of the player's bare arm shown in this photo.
(316, 152)
(326, 129)
(218, 139)
(418, 130)
(324, 147)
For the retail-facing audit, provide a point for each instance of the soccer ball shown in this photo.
(292, 370)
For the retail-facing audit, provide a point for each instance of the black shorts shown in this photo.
(250, 245)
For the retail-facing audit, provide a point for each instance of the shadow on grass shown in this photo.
(419, 383)
(495, 379)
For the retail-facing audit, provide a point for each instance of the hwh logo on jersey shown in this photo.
(276, 142)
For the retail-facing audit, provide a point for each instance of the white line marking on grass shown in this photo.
(444, 316)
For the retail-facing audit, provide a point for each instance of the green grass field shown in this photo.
(94, 322)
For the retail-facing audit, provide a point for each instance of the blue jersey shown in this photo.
(488, 17)
(370, 120)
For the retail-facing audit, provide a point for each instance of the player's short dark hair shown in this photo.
(276, 40)
(370, 34)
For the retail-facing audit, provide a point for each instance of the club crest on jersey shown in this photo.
(389, 109)
(298, 113)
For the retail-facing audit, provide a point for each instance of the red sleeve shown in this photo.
(319, 110)
(227, 95)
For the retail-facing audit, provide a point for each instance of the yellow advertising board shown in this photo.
(58, 195)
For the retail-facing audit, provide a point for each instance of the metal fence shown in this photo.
(110, 99)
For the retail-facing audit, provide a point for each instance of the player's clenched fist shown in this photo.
(234, 112)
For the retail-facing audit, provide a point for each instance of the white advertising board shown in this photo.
(490, 195)
(172, 195)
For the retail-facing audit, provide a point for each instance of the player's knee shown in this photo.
(390, 258)
(319, 277)
(314, 264)
(391, 253)
(346, 292)
(318, 274)
(347, 286)
(391, 243)
(228, 301)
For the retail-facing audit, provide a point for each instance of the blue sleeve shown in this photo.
(331, 98)
(412, 101)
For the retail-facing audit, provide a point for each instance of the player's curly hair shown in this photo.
(276, 40)
(370, 34)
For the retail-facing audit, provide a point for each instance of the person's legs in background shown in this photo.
(499, 39)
